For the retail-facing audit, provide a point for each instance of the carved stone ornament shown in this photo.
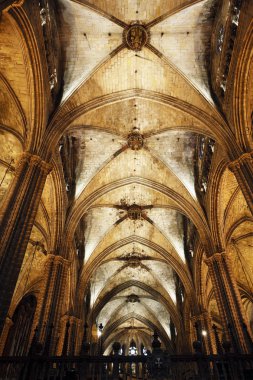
(133, 298)
(134, 262)
(134, 212)
(135, 141)
(136, 36)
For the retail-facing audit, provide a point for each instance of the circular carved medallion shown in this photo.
(135, 141)
(136, 36)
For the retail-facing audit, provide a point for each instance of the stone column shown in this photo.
(53, 294)
(5, 332)
(228, 299)
(61, 337)
(73, 341)
(69, 346)
(205, 331)
(75, 324)
(17, 216)
(242, 168)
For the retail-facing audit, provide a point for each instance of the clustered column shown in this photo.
(228, 300)
(17, 218)
(75, 324)
(68, 339)
(52, 300)
(204, 333)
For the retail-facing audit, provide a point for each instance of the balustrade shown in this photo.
(171, 367)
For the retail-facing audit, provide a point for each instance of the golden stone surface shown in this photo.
(130, 114)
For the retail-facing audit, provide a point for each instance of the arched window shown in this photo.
(19, 334)
(132, 348)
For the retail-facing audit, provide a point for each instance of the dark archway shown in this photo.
(19, 334)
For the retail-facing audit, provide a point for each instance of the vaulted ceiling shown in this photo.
(134, 116)
(135, 152)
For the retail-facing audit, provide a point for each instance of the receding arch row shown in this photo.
(154, 293)
(177, 266)
(61, 123)
(162, 334)
(117, 336)
(193, 212)
(94, 262)
(111, 230)
(150, 154)
(149, 315)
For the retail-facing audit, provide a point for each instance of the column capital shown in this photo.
(58, 260)
(49, 258)
(216, 257)
(33, 160)
(243, 159)
(62, 261)
(64, 318)
(195, 318)
(200, 316)
(76, 320)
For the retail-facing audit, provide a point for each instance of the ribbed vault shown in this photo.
(134, 119)
(139, 194)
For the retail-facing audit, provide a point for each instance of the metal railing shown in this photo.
(171, 367)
